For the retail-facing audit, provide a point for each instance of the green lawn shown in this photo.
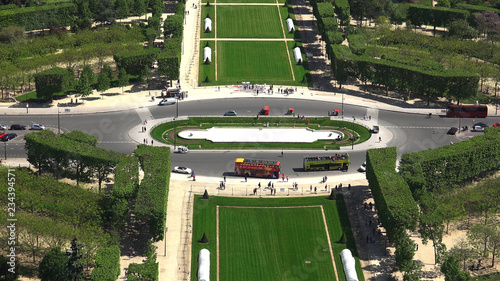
(272, 244)
(253, 61)
(248, 22)
(207, 70)
(245, 1)
(210, 12)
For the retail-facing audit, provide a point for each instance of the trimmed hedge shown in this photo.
(418, 80)
(442, 168)
(357, 44)
(436, 16)
(107, 264)
(396, 207)
(52, 81)
(81, 137)
(153, 190)
(37, 17)
(334, 37)
(134, 61)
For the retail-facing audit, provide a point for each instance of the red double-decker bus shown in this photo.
(257, 168)
(467, 111)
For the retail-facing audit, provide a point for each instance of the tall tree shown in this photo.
(103, 83)
(122, 9)
(75, 261)
(85, 83)
(140, 7)
(488, 22)
(122, 78)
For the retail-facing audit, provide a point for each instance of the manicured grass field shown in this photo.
(248, 22)
(207, 69)
(273, 243)
(253, 61)
(207, 11)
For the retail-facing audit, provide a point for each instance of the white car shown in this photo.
(362, 168)
(37, 127)
(182, 170)
(167, 101)
(182, 149)
(3, 127)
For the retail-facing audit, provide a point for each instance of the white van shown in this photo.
(167, 101)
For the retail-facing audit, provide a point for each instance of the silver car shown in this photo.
(37, 127)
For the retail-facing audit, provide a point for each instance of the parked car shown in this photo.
(482, 124)
(230, 113)
(37, 127)
(17, 127)
(167, 101)
(375, 129)
(3, 127)
(496, 124)
(477, 128)
(362, 168)
(182, 149)
(452, 131)
(182, 170)
(2, 134)
(9, 136)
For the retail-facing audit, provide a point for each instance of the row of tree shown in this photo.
(66, 157)
(153, 189)
(396, 207)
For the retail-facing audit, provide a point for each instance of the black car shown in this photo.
(452, 131)
(8, 137)
(17, 127)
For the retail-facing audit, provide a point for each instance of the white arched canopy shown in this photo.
(204, 265)
(207, 54)
(349, 265)
(208, 24)
(289, 25)
(297, 54)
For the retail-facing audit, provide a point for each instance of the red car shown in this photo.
(2, 134)
(496, 124)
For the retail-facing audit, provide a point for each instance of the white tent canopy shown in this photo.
(208, 24)
(349, 265)
(207, 54)
(204, 265)
(297, 54)
(289, 24)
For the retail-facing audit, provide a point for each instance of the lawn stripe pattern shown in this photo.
(273, 244)
(248, 22)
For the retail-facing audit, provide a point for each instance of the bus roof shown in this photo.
(256, 161)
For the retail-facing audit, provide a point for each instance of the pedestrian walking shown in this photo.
(224, 178)
(152, 142)
(282, 153)
(349, 187)
(194, 177)
(245, 178)
(379, 139)
(315, 190)
(326, 186)
(258, 185)
(311, 188)
(286, 179)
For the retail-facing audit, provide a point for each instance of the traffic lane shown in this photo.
(390, 118)
(408, 140)
(221, 163)
(252, 106)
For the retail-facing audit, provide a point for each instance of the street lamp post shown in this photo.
(58, 121)
(352, 144)
(165, 236)
(342, 105)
